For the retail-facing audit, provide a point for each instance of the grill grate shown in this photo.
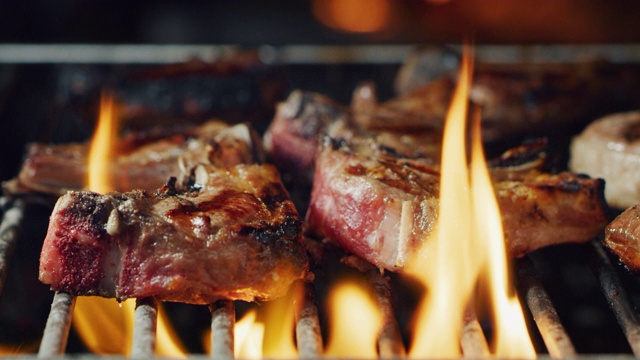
(308, 331)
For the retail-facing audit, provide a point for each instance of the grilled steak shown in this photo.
(517, 100)
(380, 206)
(622, 237)
(225, 234)
(144, 161)
(411, 125)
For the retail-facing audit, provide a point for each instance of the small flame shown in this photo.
(279, 320)
(105, 326)
(267, 331)
(248, 337)
(452, 261)
(355, 321)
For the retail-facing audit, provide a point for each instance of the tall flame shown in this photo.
(511, 336)
(452, 260)
(105, 326)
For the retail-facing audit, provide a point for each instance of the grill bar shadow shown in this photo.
(616, 295)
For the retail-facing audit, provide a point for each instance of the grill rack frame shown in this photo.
(308, 332)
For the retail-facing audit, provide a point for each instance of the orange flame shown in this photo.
(248, 337)
(511, 337)
(105, 326)
(452, 260)
(355, 322)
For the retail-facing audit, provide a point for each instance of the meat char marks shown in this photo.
(144, 160)
(381, 206)
(411, 125)
(221, 234)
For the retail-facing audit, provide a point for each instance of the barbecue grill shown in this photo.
(579, 300)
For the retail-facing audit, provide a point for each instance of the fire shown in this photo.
(266, 331)
(355, 322)
(467, 244)
(248, 337)
(105, 326)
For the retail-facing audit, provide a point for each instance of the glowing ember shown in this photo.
(360, 16)
(355, 322)
(105, 326)
(468, 239)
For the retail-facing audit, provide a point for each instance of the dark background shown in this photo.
(46, 102)
(255, 22)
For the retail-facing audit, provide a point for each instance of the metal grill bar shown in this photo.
(223, 319)
(144, 328)
(544, 313)
(616, 295)
(389, 340)
(308, 334)
(473, 342)
(11, 220)
(56, 332)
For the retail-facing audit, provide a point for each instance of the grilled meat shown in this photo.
(622, 237)
(610, 148)
(381, 206)
(523, 99)
(144, 161)
(225, 234)
(411, 125)
(295, 132)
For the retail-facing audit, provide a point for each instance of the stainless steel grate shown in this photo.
(308, 329)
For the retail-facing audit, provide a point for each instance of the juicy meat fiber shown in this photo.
(227, 234)
(381, 207)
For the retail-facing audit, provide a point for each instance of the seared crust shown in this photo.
(238, 237)
(381, 207)
(622, 237)
(143, 162)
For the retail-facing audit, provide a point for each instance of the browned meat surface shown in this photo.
(381, 207)
(143, 162)
(295, 132)
(229, 234)
(410, 125)
(622, 237)
(542, 98)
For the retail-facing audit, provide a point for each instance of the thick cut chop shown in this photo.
(230, 234)
(143, 161)
(411, 125)
(382, 207)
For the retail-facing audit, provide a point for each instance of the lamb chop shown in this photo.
(380, 205)
(145, 160)
(411, 125)
(219, 234)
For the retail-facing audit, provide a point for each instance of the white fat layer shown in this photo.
(113, 223)
(111, 269)
(385, 238)
(406, 226)
(202, 176)
(240, 132)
